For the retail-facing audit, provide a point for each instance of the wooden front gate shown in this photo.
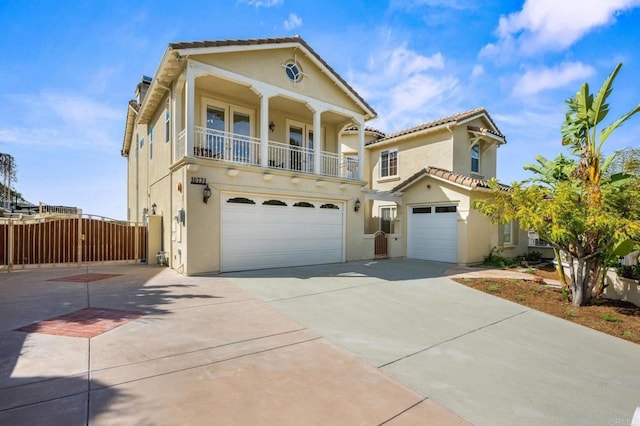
(380, 248)
(69, 240)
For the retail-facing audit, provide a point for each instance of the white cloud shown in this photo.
(552, 25)
(478, 71)
(536, 80)
(405, 87)
(62, 120)
(262, 3)
(294, 21)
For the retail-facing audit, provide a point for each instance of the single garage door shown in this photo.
(433, 233)
(262, 232)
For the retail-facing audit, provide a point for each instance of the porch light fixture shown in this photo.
(356, 205)
(154, 206)
(272, 126)
(206, 194)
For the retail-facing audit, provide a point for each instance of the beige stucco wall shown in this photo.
(462, 152)
(201, 237)
(268, 66)
(414, 153)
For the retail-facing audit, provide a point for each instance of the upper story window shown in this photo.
(151, 142)
(475, 158)
(167, 124)
(293, 71)
(389, 163)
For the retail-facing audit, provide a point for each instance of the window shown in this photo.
(304, 204)
(167, 125)
(293, 71)
(475, 158)
(421, 210)
(389, 163)
(151, 142)
(387, 216)
(141, 143)
(274, 203)
(446, 209)
(507, 234)
(240, 200)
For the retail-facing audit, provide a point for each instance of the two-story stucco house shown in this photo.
(249, 154)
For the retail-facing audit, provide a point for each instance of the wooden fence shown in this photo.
(69, 240)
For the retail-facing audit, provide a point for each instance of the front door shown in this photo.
(300, 146)
(241, 145)
(229, 133)
(216, 127)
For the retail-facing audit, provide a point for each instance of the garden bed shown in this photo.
(614, 317)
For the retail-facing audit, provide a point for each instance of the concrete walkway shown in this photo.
(203, 352)
(490, 361)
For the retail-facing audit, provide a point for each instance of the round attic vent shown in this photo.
(293, 71)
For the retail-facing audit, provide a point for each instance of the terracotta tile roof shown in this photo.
(367, 129)
(469, 182)
(452, 119)
(135, 105)
(274, 40)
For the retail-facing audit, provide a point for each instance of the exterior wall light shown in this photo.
(272, 126)
(154, 206)
(206, 194)
(356, 205)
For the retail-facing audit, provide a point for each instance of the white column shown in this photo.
(176, 116)
(190, 98)
(361, 149)
(264, 129)
(317, 141)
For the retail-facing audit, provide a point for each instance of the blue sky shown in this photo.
(69, 68)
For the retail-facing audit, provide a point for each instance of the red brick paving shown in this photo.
(87, 322)
(85, 278)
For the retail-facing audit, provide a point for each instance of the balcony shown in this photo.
(246, 150)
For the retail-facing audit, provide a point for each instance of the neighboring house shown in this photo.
(248, 154)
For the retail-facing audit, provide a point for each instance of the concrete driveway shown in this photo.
(490, 361)
(142, 345)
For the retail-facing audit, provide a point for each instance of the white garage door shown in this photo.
(433, 233)
(259, 232)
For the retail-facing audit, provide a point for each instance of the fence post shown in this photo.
(136, 241)
(10, 243)
(80, 238)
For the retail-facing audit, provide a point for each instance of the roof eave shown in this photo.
(128, 131)
(293, 42)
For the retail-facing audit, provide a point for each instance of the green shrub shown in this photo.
(493, 288)
(495, 259)
(533, 256)
(610, 318)
(629, 271)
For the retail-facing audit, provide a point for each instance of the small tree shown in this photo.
(580, 211)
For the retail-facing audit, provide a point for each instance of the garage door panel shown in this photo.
(432, 236)
(264, 236)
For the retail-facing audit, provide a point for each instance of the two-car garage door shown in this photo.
(269, 232)
(433, 233)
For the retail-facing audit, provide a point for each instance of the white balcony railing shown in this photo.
(228, 147)
(235, 148)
